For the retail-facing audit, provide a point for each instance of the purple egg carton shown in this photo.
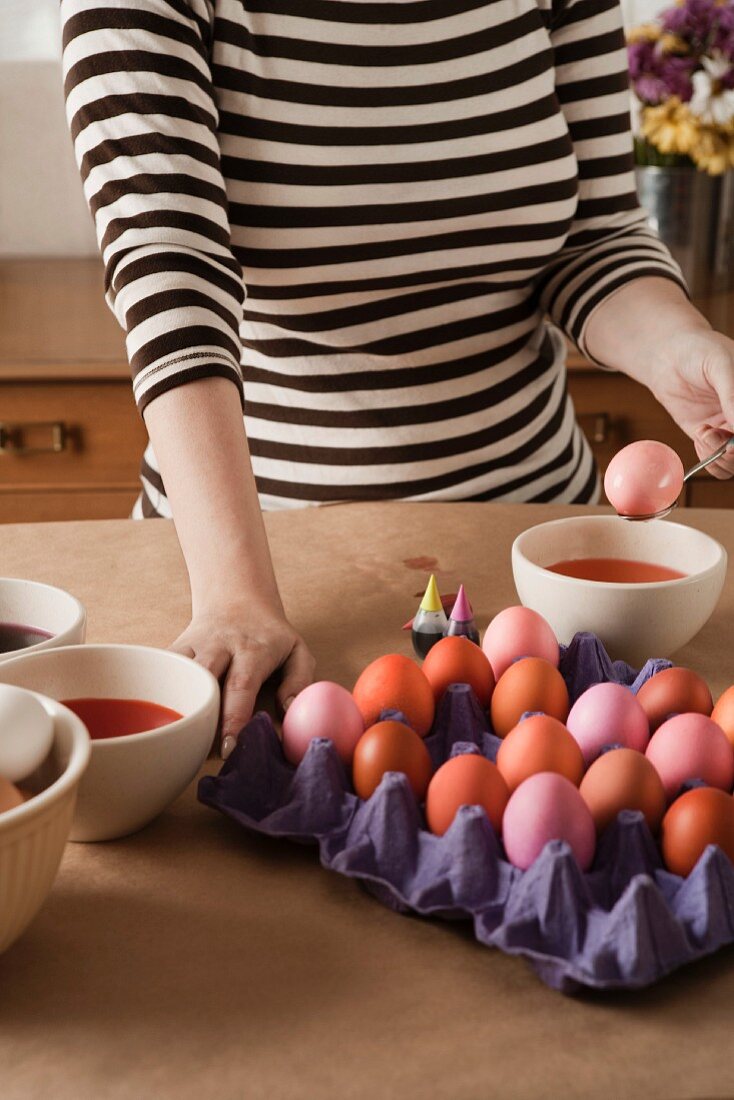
(622, 925)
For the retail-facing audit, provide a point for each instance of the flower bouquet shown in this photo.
(682, 74)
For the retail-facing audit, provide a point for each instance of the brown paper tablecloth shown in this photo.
(194, 961)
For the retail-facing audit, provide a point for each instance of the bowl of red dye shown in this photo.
(151, 715)
(646, 589)
(35, 616)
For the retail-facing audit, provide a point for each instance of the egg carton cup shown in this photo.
(623, 925)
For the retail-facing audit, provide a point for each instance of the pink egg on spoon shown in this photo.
(645, 479)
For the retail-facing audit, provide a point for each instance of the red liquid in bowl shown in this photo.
(16, 636)
(106, 718)
(615, 570)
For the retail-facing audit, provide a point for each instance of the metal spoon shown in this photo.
(687, 475)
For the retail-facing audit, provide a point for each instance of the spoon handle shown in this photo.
(711, 458)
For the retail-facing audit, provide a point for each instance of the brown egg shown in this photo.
(456, 660)
(394, 682)
(623, 779)
(529, 684)
(10, 796)
(539, 744)
(390, 747)
(674, 691)
(466, 780)
(723, 713)
(699, 817)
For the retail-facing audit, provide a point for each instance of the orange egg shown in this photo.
(466, 780)
(10, 796)
(390, 747)
(539, 744)
(674, 691)
(723, 713)
(702, 816)
(529, 684)
(623, 779)
(395, 682)
(456, 660)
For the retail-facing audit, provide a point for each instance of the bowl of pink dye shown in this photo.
(37, 616)
(646, 589)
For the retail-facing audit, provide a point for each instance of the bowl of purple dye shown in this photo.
(37, 616)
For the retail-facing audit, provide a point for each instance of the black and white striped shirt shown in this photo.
(364, 209)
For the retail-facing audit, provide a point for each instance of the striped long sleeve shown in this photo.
(144, 122)
(609, 243)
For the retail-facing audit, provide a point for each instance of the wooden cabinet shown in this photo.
(71, 438)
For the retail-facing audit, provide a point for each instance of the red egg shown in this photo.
(698, 818)
(465, 780)
(623, 779)
(395, 682)
(390, 747)
(531, 684)
(539, 744)
(456, 660)
(723, 714)
(674, 691)
(691, 746)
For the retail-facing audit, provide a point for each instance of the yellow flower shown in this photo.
(673, 43)
(670, 127)
(646, 32)
(713, 152)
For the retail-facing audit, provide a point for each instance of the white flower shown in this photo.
(711, 102)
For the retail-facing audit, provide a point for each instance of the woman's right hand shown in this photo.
(243, 645)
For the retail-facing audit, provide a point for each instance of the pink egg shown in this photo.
(546, 807)
(322, 709)
(643, 478)
(608, 714)
(691, 746)
(518, 632)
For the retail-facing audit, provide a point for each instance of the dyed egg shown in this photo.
(623, 779)
(322, 709)
(698, 818)
(674, 691)
(466, 780)
(547, 807)
(26, 732)
(643, 478)
(390, 747)
(10, 796)
(691, 746)
(456, 660)
(608, 714)
(723, 714)
(518, 632)
(395, 682)
(527, 685)
(539, 744)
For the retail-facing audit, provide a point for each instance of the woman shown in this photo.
(365, 209)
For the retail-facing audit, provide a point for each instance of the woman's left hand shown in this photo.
(692, 376)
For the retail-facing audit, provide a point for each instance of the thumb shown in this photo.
(296, 674)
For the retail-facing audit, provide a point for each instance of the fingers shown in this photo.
(298, 672)
(710, 437)
(243, 681)
(708, 441)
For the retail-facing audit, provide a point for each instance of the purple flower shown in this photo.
(657, 76)
(692, 20)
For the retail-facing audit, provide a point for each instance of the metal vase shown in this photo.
(694, 215)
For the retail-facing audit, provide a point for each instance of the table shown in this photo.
(194, 961)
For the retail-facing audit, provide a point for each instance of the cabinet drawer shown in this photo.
(94, 426)
(45, 507)
(708, 492)
(613, 411)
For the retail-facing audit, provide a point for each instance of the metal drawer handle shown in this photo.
(11, 438)
(600, 426)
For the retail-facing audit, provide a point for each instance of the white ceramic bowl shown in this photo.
(634, 621)
(33, 836)
(130, 780)
(29, 603)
